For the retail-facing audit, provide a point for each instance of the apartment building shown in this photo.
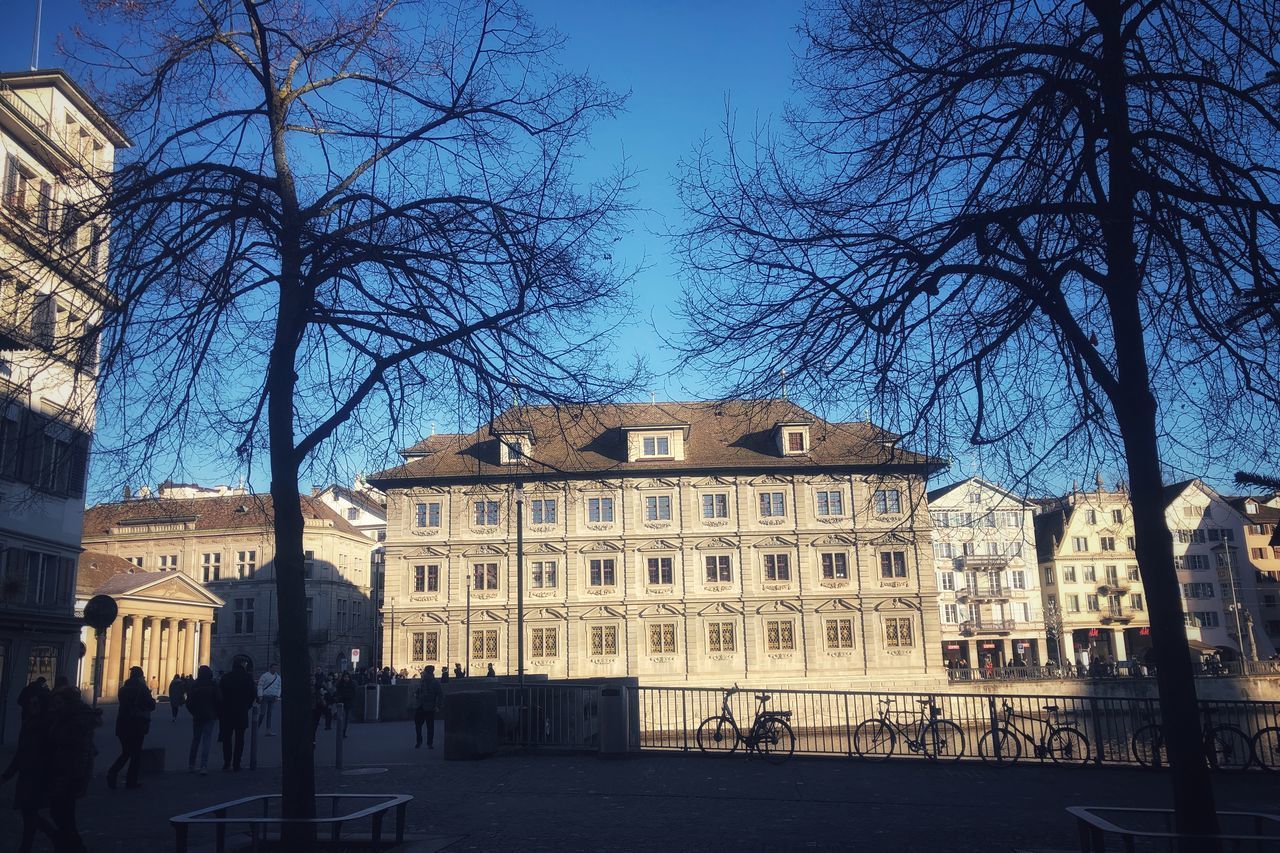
(366, 509)
(989, 600)
(57, 151)
(1259, 560)
(677, 542)
(226, 542)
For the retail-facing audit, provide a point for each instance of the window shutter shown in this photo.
(10, 179)
(77, 465)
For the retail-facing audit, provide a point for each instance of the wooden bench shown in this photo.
(257, 821)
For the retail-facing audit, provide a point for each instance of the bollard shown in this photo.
(339, 719)
(253, 738)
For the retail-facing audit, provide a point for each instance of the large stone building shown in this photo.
(989, 598)
(366, 509)
(227, 543)
(1094, 600)
(56, 152)
(677, 542)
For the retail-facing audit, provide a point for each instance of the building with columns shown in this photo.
(56, 156)
(225, 542)
(165, 623)
(989, 598)
(704, 543)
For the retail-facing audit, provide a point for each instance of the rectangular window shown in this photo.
(720, 637)
(308, 564)
(420, 515)
(419, 646)
(1207, 618)
(1090, 574)
(1117, 516)
(772, 504)
(544, 511)
(657, 508)
(484, 576)
(210, 563)
(246, 563)
(777, 567)
(780, 635)
(602, 572)
(835, 566)
(604, 641)
(486, 513)
(169, 563)
(433, 577)
(1091, 602)
(658, 445)
(940, 519)
(838, 633)
(1049, 578)
(893, 564)
(715, 505)
(1129, 542)
(1018, 579)
(1135, 601)
(544, 574)
(544, 643)
(420, 578)
(243, 616)
(947, 581)
(1073, 603)
(888, 501)
(795, 442)
(1197, 590)
(1090, 517)
(898, 633)
(484, 643)
(944, 550)
(950, 614)
(830, 503)
(1132, 572)
(1080, 544)
(660, 573)
(137, 561)
(662, 638)
(1108, 543)
(427, 514)
(600, 510)
(1068, 574)
(1258, 553)
(718, 569)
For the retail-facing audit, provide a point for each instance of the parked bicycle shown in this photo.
(1226, 746)
(1060, 743)
(770, 733)
(876, 738)
(1266, 748)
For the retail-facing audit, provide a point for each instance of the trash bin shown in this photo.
(613, 722)
(371, 697)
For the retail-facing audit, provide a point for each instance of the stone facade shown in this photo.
(693, 544)
(989, 601)
(56, 152)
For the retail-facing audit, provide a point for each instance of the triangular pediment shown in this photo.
(891, 538)
(720, 608)
(825, 480)
(836, 605)
(175, 587)
(660, 610)
(834, 539)
(717, 542)
(891, 604)
(600, 547)
(658, 545)
(480, 490)
(484, 551)
(424, 619)
(426, 491)
(768, 480)
(488, 616)
(712, 482)
(603, 612)
(775, 542)
(657, 483)
(542, 548)
(601, 486)
(424, 551)
(779, 607)
(545, 614)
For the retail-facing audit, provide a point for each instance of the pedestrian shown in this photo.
(236, 696)
(31, 765)
(319, 708)
(429, 698)
(204, 706)
(491, 673)
(41, 686)
(457, 671)
(346, 692)
(444, 674)
(133, 721)
(177, 695)
(269, 695)
(71, 757)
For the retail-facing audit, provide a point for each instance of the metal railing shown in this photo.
(1119, 669)
(562, 716)
(826, 722)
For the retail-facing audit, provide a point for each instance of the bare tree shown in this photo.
(1026, 225)
(340, 210)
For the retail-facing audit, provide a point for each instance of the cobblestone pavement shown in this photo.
(654, 802)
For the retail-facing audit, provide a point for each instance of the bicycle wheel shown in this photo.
(874, 740)
(718, 735)
(1266, 748)
(1148, 746)
(775, 740)
(1002, 746)
(1067, 746)
(942, 740)
(1228, 748)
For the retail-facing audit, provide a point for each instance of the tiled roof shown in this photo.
(95, 568)
(729, 436)
(230, 512)
(942, 491)
(120, 584)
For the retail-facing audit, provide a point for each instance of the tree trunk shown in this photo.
(298, 786)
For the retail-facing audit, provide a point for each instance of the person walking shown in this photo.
(39, 686)
(237, 695)
(205, 706)
(458, 671)
(71, 756)
(133, 721)
(269, 695)
(177, 695)
(491, 673)
(429, 698)
(346, 692)
(30, 764)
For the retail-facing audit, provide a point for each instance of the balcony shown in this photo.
(986, 562)
(1115, 615)
(1113, 586)
(987, 626)
(990, 593)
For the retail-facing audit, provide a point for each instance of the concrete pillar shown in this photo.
(1037, 643)
(188, 647)
(168, 639)
(1006, 646)
(1122, 653)
(152, 666)
(111, 665)
(135, 642)
(206, 644)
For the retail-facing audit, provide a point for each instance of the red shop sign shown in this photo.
(1144, 632)
(953, 646)
(1093, 632)
(988, 645)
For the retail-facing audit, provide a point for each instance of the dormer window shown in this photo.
(792, 438)
(656, 445)
(514, 448)
(1251, 507)
(795, 442)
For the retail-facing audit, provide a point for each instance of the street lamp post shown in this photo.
(1226, 561)
(519, 497)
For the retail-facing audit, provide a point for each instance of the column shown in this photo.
(111, 664)
(188, 647)
(206, 642)
(167, 641)
(134, 657)
(1037, 643)
(1006, 646)
(1122, 653)
(152, 666)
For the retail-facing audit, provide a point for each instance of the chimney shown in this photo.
(128, 492)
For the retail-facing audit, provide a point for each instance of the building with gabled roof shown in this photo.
(677, 542)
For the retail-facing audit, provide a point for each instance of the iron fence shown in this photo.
(826, 722)
(1099, 669)
(562, 716)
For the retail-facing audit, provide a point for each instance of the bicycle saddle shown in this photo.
(1051, 708)
(924, 702)
(762, 697)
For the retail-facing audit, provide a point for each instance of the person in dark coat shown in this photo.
(31, 765)
(40, 685)
(238, 694)
(133, 721)
(177, 695)
(429, 698)
(346, 691)
(205, 707)
(71, 756)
